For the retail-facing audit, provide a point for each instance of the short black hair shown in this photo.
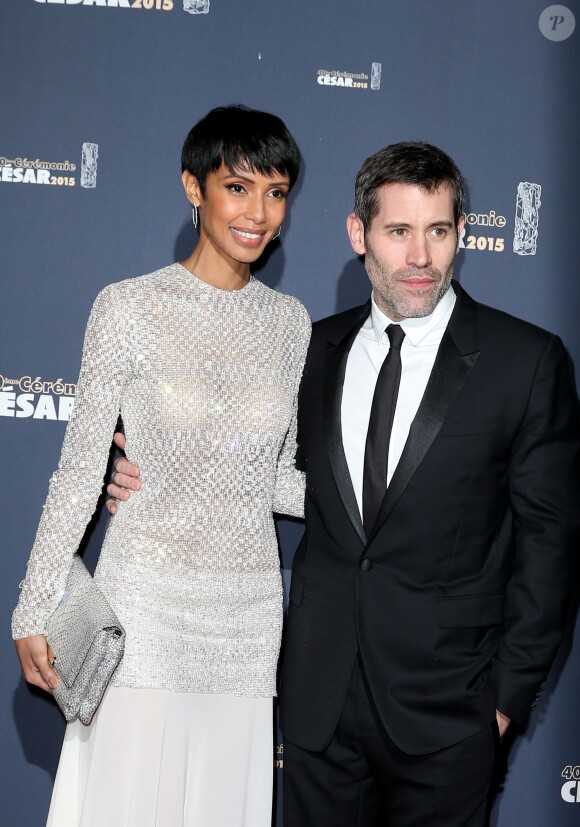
(408, 162)
(240, 137)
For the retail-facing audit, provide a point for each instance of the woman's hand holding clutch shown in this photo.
(35, 660)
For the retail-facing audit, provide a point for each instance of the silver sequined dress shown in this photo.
(206, 382)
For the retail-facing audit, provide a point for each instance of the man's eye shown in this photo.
(398, 232)
(439, 232)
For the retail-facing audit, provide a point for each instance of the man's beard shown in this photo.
(399, 305)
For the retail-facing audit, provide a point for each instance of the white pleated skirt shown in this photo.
(155, 758)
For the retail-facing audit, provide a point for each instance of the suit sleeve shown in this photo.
(545, 496)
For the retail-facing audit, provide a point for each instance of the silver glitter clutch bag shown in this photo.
(87, 641)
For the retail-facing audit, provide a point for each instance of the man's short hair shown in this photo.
(408, 162)
(240, 138)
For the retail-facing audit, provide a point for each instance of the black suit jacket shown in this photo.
(457, 601)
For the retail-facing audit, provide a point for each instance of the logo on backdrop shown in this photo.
(196, 6)
(89, 155)
(54, 173)
(485, 231)
(475, 233)
(557, 22)
(351, 80)
(146, 5)
(36, 398)
(527, 218)
(570, 791)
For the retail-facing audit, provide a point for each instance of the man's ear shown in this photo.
(192, 188)
(356, 234)
(460, 226)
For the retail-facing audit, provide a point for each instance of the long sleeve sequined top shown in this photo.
(206, 382)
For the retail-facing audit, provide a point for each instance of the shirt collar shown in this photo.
(415, 329)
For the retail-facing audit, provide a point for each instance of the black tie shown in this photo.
(380, 426)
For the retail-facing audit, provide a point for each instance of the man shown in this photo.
(440, 443)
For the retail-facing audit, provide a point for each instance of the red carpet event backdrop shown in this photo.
(97, 97)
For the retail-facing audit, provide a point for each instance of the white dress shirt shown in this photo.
(418, 351)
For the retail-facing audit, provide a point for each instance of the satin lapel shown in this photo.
(455, 359)
(334, 371)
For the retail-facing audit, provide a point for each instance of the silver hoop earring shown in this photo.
(194, 216)
(274, 237)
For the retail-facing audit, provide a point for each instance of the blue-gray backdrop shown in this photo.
(97, 96)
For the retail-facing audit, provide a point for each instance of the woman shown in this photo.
(203, 362)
